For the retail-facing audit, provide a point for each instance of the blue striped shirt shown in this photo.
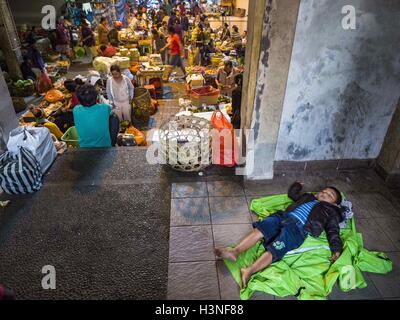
(302, 212)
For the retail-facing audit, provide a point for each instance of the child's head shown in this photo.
(331, 195)
(70, 85)
(103, 47)
(79, 82)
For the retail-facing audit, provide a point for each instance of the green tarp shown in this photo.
(307, 272)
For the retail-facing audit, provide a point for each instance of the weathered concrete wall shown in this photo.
(8, 119)
(343, 85)
(389, 158)
(276, 48)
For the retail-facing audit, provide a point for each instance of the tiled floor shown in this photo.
(214, 213)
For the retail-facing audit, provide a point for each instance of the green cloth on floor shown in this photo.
(307, 272)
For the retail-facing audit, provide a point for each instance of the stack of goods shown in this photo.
(103, 64)
(134, 55)
(216, 60)
(155, 60)
(195, 81)
(195, 70)
(123, 62)
(127, 35)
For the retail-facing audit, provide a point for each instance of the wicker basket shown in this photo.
(186, 143)
(22, 92)
(141, 107)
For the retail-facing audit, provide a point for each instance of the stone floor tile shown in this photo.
(374, 237)
(225, 188)
(189, 190)
(229, 288)
(388, 285)
(193, 281)
(230, 234)
(372, 205)
(193, 243)
(391, 227)
(190, 211)
(228, 210)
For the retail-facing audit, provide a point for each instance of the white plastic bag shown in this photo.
(38, 141)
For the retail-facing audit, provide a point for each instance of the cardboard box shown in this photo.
(239, 12)
(204, 95)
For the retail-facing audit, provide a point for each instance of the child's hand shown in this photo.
(334, 257)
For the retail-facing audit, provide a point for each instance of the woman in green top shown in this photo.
(92, 120)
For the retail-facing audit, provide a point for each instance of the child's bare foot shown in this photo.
(226, 253)
(246, 274)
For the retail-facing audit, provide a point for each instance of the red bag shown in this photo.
(44, 83)
(223, 141)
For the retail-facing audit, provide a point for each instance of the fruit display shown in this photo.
(195, 70)
(229, 109)
(63, 66)
(22, 88)
(211, 71)
(224, 99)
(54, 96)
(128, 35)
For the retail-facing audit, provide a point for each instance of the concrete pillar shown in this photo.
(8, 118)
(276, 43)
(9, 41)
(253, 49)
(388, 162)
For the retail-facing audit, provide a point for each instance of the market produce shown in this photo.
(223, 99)
(54, 96)
(229, 109)
(138, 135)
(23, 83)
(103, 64)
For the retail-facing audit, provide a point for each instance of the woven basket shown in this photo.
(185, 143)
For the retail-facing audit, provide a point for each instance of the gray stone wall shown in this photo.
(8, 118)
(343, 85)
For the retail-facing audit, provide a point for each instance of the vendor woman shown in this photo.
(120, 92)
(226, 78)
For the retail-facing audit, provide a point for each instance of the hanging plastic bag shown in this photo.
(223, 141)
(37, 140)
(43, 84)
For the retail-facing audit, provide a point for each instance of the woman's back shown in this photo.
(92, 124)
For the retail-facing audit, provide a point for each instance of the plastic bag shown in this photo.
(20, 172)
(139, 136)
(43, 84)
(224, 143)
(37, 140)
